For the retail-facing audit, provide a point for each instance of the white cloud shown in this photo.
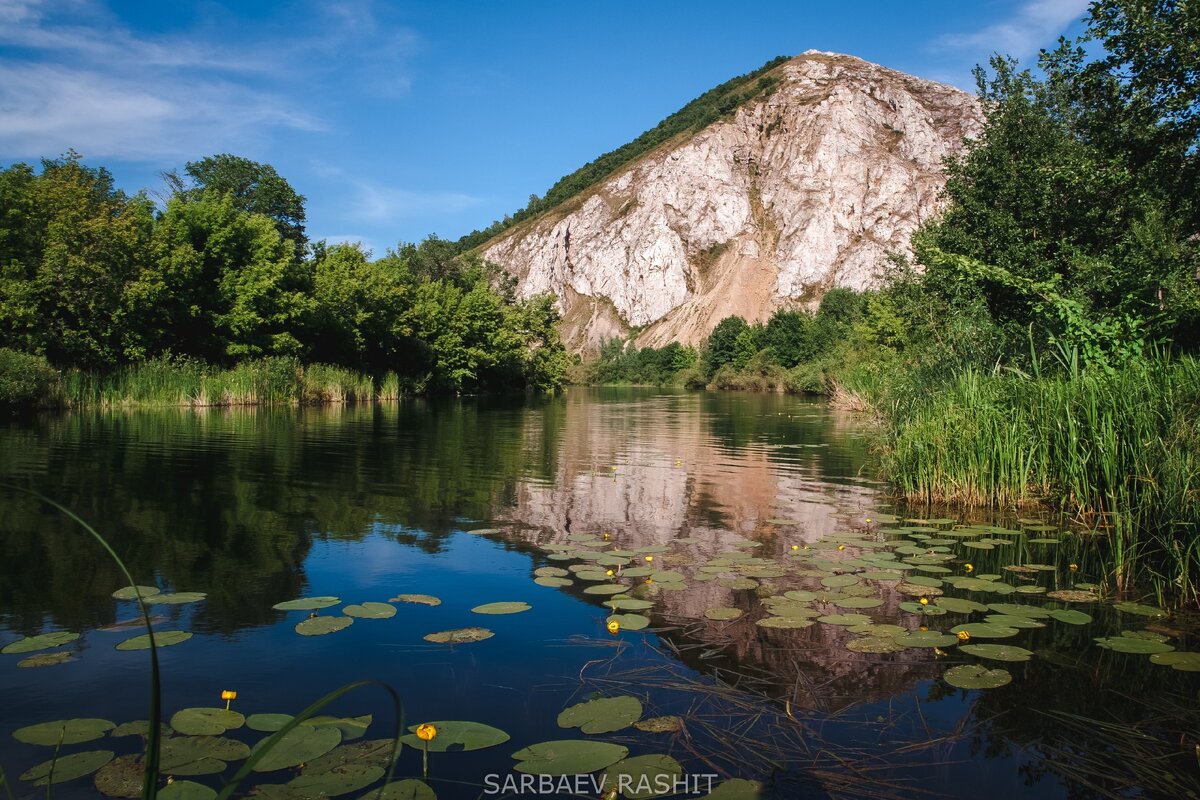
(375, 203)
(1035, 25)
(71, 76)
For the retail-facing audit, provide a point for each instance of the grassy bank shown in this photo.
(1119, 449)
(28, 382)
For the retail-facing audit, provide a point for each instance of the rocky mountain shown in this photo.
(800, 189)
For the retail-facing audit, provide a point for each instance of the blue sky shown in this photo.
(400, 119)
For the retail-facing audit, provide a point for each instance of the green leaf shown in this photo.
(603, 715)
(568, 757)
(131, 592)
(174, 598)
(407, 789)
(1183, 661)
(307, 603)
(459, 636)
(320, 626)
(300, 744)
(998, 652)
(161, 639)
(206, 721)
(502, 608)
(43, 641)
(723, 613)
(1129, 644)
(985, 630)
(67, 768)
(267, 723)
(370, 611)
(186, 790)
(736, 789)
(68, 731)
(644, 776)
(351, 727)
(457, 735)
(973, 676)
(630, 622)
(336, 781)
(419, 599)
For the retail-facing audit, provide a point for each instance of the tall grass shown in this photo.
(1119, 448)
(184, 382)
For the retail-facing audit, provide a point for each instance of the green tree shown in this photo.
(791, 335)
(721, 347)
(254, 187)
(357, 304)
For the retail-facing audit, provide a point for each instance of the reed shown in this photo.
(1118, 448)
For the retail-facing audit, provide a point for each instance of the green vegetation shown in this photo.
(219, 298)
(717, 103)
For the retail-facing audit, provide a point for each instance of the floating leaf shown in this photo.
(553, 583)
(140, 727)
(923, 580)
(174, 598)
(1070, 616)
(300, 744)
(370, 611)
(602, 715)
(459, 636)
(1011, 621)
(1073, 596)
(858, 602)
(958, 605)
(630, 622)
(973, 676)
(1128, 644)
(667, 724)
(206, 721)
(568, 757)
(877, 629)
(998, 652)
(121, 777)
(644, 776)
(917, 608)
(200, 755)
(1182, 661)
(736, 789)
(311, 603)
(502, 608)
(419, 599)
(1019, 610)
(407, 789)
(784, 622)
(66, 731)
(319, 626)
(43, 641)
(985, 630)
(161, 639)
(723, 613)
(628, 604)
(844, 619)
(377, 752)
(457, 736)
(1128, 607)
(267, 723)
(926, 639)
(875, 644)
(131, 592)
(351, 727)
(186, 790)
(606, 588)
(67, 768)
(44, 660)
(337, 781)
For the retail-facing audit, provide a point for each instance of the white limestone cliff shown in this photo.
(803, 189)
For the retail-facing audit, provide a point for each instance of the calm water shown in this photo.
(255, 507)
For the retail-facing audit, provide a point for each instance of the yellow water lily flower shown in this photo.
(841, 547)
(795, 547)
(613, 626)
(923, 628)
(426, 732)
(649, 558)
(1073, 567)
(228, 695)
(608, 572)
(963, 636)
(968, 567)
(924, 601)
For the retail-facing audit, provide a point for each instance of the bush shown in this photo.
(25, 380)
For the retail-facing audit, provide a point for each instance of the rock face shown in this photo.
(802, 189)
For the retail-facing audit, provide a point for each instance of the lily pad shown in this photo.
(1070, 616)
(186, 790)
(67, 768)
(667, 724)
(351, 727)
(320, 626)
(628, 604)
(174, 598)
(973, 676)
(998, 652)
(630, 622)
(131, 592)
(375, 752)
(723, 613)
(407, 789)
(1182, 661)
(568, 757)
(784, 622)
(985, 630)
(1073, 596)
(200, 755)
(161, 639)
(844, 619)
(917, 608)
(736, 789)
(43, 641)
(44, 660)
(606, 588)
(1013, 621)
(457, 736)
(419, 599)
(1128, 644)
(1140, 609)
(459, 636)
(858, 602)
(874, 644)
(121, 777)
(140, 727)
(309, 603)
(926, 639)
(502, 608)
(958, 605)
(267, 723)
(553, 583)
(603, 715)
(206, 721)
(370, 611)
(644, 776)
(337, 781)
(300, 744)
(66, 731)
